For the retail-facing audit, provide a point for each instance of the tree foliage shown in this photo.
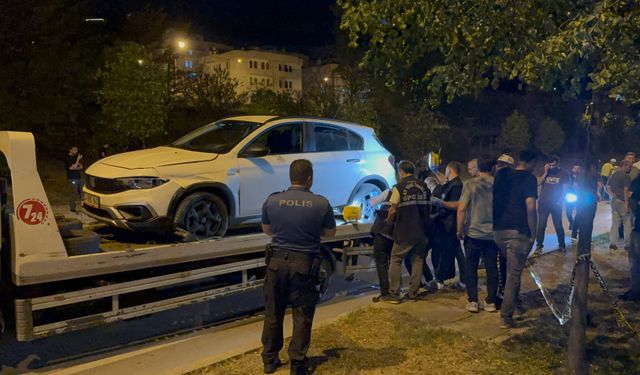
(267, 102)
(515, 132)
(134, 94)
(213, 94)
(456, 47)
(549, 136)
(48, 60)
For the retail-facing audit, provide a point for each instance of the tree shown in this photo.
(549, 136)
(587, 49)
(212, 94)
(515, 132)
(48, 60)
(267, 102)
(133, 95)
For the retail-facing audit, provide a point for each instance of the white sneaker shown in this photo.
(490, 307)
(473, 307)
(440, 286)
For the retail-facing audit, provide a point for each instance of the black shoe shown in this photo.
(417, 296)
(298, 368)
(390, 299)
(507, 323)
(270, 368)
(562, 249)
(378, 298)
(629, 296)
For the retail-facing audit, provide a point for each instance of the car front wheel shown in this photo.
(362, 198)
(202, 214)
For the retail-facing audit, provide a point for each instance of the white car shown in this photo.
(219, 175)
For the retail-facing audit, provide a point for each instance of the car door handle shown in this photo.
(353, 160)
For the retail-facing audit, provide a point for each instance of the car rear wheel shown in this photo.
(202, 214)
(362, 198)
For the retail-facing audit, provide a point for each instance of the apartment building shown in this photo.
(255, 69)
(189, 51)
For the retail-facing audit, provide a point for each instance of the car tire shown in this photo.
(361, 198)
(81, 242)
(202, 214)
(65, 225)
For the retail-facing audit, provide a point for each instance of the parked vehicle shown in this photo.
(219, 175)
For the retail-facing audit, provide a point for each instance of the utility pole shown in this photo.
(587, 206)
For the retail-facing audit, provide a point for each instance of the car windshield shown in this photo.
(219, 137)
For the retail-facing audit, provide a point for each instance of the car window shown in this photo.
(355, 141)
(219, 137)
(330, 138)
(285, 139)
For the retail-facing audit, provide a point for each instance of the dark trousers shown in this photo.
(634, 264)
(488, 251)
(381, 253)
(544, 209)
(572, 216)
(604, 195)
(426, 271)
(288, 282)
(75, 193)
(447, 251)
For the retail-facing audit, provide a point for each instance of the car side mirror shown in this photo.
(255, 151)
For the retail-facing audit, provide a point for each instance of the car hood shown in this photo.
(156, 157)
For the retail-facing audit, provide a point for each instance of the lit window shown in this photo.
(190, 52)
(192, 75)
(188, 64)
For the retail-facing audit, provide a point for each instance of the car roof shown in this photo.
(263, 119)
(257, 118)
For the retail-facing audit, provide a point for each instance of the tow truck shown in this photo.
(48, 289)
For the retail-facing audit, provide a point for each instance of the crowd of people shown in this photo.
(493, 218)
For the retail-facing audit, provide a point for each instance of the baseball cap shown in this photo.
(613, 161)
(506, 159)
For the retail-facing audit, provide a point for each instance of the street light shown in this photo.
(140, 61)
(182, 44)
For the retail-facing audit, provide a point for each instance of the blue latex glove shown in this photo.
(436, 202)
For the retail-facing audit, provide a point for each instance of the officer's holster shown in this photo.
(268, 253)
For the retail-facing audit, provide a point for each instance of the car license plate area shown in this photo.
(91, 200)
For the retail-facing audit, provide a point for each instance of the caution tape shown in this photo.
(621, 320)
(564, 316)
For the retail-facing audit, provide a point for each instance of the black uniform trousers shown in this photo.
(555, 209)
(381, 253)
(288, 282)
(445, 253)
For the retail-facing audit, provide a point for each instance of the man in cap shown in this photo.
(605, 172)
(504, 161)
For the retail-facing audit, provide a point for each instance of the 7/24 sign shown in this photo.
(32, 211)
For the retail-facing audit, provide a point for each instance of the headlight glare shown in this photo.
(141, 182)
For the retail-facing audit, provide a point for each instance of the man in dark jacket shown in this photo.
(410, 213)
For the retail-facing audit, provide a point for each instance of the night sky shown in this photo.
(279, 23)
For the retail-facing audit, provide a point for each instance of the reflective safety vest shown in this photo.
(412, 221)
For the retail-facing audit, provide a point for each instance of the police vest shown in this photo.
(380, 225)
(412, 220)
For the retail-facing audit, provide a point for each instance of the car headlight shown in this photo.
(141, 182)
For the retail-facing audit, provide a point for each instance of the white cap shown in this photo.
(613, 161)
(506, 159)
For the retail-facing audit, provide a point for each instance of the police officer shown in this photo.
(410, 212)
(382, 232)
(295, 219)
